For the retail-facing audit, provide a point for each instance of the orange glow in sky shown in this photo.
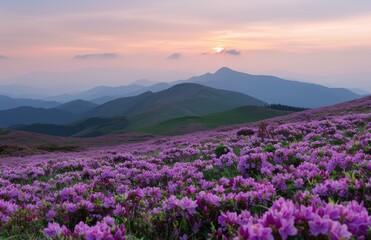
(312, 40)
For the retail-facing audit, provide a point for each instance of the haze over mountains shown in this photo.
(275, 90)
(9, 103)
(143, 104)
(182, 99)
(267, 88)
(187, 99)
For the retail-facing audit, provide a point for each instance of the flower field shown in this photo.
(303, 179)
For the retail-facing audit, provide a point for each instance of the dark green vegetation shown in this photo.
(90, 127)
(239, 115)
(286, 107)
(22, 143)
(97, 126)
(4, 131)
(10, 150)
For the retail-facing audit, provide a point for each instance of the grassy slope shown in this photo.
(90, 127)
(188, 124)
(182, 99)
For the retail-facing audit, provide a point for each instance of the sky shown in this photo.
(322, 41)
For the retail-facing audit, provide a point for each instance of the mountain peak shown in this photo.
(224, 70)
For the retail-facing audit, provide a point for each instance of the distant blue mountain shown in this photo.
(103, 94)
(275, 90)
(77, 106)
(269, 89)
(30, 115)
(118, 93)
(9, 102)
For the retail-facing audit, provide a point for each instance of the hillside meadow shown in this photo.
(302, 176)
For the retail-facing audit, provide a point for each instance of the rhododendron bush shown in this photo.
(303, 179)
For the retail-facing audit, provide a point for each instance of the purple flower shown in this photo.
(188, 204)
(287, 229)
(109, 220)
(228, 218)
(319, 226)
(53, 230)
(81, 228)
(259, 232)
(339, 231)
(71, 208)
(119, 210)
(120, 233)
(94, 233)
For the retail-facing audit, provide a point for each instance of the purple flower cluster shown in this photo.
(309, 177)
(102, 230)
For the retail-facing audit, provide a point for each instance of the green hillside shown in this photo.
(183, 100)
(130, 114)
(90, 127)
(189, 124)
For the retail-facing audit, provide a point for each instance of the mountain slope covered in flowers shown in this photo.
(303, 176)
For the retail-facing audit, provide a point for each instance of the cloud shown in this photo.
(96, 56)
(175, 56)
(2, 57)
(234, 52)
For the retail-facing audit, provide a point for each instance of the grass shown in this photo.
(55, 148)
(15, 150)
(217, 173)
(188, 124)
(3, 131)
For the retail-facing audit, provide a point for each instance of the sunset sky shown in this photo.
(327, 42)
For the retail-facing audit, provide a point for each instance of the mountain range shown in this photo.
(275, 90)
(132, 113)
(269, 89)
(31, 115)
(142, 104)
(9, 103)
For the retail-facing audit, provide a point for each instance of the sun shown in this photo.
(219, 49)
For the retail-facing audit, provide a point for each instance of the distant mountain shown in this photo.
(21, 91)
(103, 94)
(56, 83)
(98, 93)
(9, 103)
(132, 113)
(107, 97)
(188, 124)
(275, 90)
(360, 91)
(108, 91)
(30, 115)
(77, 106)
(180, 100)
(144, 82)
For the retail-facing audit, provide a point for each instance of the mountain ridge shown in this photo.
(7, 102)
(275, 90)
